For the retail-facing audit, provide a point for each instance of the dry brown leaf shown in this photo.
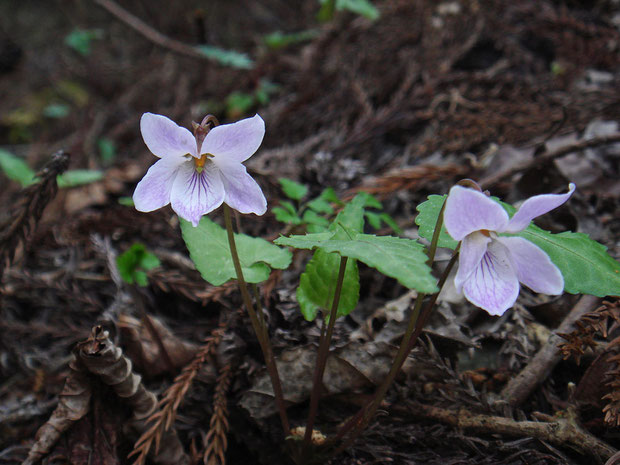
(348, 368)
(144, 351)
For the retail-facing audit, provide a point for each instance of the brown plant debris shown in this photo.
(410, 177)
(33, 200)
(100, 357)
(216, 440)
(588, 326)
(557, 430)
(162, 419)
(73, 404)
(144, 350)
(612, 409)
(539, 367)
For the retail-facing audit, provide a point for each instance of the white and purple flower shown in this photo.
(491, 266)
(196, 174)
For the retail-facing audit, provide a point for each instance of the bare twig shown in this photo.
(148, 32)
(562, 431)
(548, 156)
(520, 387)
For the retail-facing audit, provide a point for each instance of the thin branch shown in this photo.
(560, 431)
(148, 32)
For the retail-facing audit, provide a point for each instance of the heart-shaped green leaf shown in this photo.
(209, 250)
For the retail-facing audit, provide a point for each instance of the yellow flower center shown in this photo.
(199, 163)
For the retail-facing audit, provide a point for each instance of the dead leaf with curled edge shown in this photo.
(348, 369)
(144, 351)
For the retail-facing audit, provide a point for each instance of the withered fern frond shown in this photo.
(20, 225)
(216, 440)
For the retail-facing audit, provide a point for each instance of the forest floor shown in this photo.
(401, 107)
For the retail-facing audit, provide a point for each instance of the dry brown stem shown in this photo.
(33, 200)
(540, 366)
(218, 427)
(561, 431)
(162, 419)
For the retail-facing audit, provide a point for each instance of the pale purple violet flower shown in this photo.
(197, 177)
(491, 266)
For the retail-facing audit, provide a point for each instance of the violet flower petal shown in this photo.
(493, 286)
(235, 142)
(153, 190)
(195, 194)
(164, 138)
(473, 248)
(536, 206)
(242, 192)
(533, 266)
(468, 210)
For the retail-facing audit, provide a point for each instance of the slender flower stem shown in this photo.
(359, 421)
(321, 360)
(261, 333)
(259, 309)
(414, 328)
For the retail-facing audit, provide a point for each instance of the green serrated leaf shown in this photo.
(320, 205)
(226, 57)
(317, 285)
(148, 261)
(370, 201)
(285, 216)
(387, 219)
(585, 264)
(374, 219)
(208, 248)
(329, 194)
(16, 169)
(293, 190)
(140, 278)
(311, 217)
(399, 258)
(351, 217)
(134, 261)
(427, 219)
(74, 178)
